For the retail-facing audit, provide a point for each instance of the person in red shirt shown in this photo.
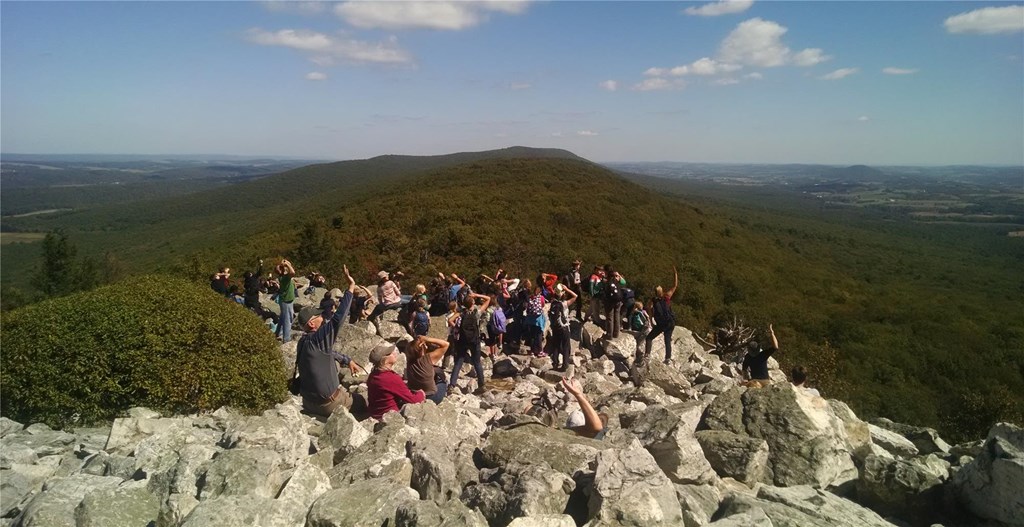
(387, 390)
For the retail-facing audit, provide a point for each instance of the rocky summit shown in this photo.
(685, 445)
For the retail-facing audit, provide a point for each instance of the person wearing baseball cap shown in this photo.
(387, 391)
(316, 362)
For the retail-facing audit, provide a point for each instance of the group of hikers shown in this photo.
(505, 314)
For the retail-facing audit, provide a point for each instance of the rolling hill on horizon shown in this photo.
(888, 321)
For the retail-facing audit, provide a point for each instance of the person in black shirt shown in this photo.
(755, 364)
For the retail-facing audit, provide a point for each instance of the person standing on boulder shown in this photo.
(285, 298)
(574, 281)
(317, 362)
(594, 287)
(389, 296)
(614, 282)
(561, 351)
(468, 344)
(664, 318)
(755, 364)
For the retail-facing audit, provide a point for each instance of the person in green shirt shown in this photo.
(286, 272)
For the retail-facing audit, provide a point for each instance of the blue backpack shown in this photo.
(421, 323)
(497, 323)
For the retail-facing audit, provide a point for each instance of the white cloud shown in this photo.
(557, 134)
(316, 76)
(863, 119)
(610, 85)
(839, 74)
(758, 42)
(810, 57)
(725, 82)
(587, 133)
(322, 60)
(899, 71)
(659, 83)
(325, 48)
(722, 7)
(517, 86)
(704, 67)
(988, 20)
(437, 14)
(753, 76)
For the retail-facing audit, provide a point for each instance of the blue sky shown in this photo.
(736, 81)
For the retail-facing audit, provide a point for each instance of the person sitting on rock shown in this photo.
(590, 423)
(800, 378)
(755, 364)
(664, 318)
(468, 344)
(419, 322)
(317, 362)
(386, 390)
(389, 296)
(423, 373)
(561, 352)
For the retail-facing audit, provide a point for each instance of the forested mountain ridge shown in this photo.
(894, 324)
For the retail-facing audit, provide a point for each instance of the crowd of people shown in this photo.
(506, 314)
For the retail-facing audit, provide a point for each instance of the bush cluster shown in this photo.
(151, 341)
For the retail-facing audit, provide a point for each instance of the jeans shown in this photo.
(438, 396)
(284, 329)
(379, 310)
(664, 330)
(468, 350)
(535, 336)
(614, 315)
(561, 353)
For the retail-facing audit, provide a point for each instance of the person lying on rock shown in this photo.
(585, 421)
(755, 364)
(317, 361)
(386, 390)
(423, 372)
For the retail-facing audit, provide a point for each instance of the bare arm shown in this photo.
(487, 299)
(457, 279)
(571, 295)
(440, 347)
(674, 285)
(592, 422)
(351, 281)
(288, 265)
(771, 334)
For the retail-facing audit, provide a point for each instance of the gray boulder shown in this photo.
(547, 520)
(892, 442)
(8, 426)
(590, 337)
(631, 490)
(281, 430)
(799, 506)
(238, 511)
(429, 514)
(698, 503)
(622, 347)
(926, 440)
(668, 378)
(376, 503)
(383, 455)
(55, 505)
(342, 435)
(858, 432)
(667, 432)
(807, 442)
(18, 483)
(743, 458)
(990, 486)
(126, 506)
(901, 488)
(519, 490)
(562, 450)
(251, 471)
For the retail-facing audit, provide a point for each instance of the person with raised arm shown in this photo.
(467, 346)
(316, 362)
(423, 373)
(664, 319)
(755, 363)
(286, 274)
(592, 425)
(574, 281)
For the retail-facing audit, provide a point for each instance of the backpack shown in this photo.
(663, 313)
(558, 314)
(639, 320)
(612, 292)
(534, 306)
(463, 293)
(469, 328)
(420, 323)
(498, 323)
(628, 296)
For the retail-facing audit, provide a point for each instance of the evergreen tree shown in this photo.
(58, 274)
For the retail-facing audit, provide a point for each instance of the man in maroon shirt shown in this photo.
(387, 390)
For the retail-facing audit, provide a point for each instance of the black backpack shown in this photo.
(469, 328)
(558, 314)
(612, 292)
(663, 313)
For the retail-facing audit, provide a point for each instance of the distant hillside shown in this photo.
(856, 173)
(866, 309)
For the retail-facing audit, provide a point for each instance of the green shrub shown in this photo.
(151, 341)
